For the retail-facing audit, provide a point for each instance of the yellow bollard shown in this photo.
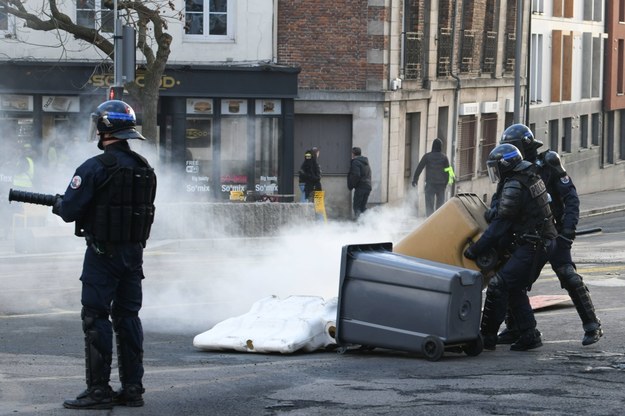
(320, 207)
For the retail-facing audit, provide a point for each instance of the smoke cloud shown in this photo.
(210, 281)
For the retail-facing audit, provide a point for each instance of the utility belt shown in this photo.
(106, 248)
(535, 240)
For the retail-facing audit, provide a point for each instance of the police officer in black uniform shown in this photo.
(111, 200)
(524, 223)
(565, 208)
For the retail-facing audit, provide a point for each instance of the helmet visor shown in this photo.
(93, 128)
(493, 171)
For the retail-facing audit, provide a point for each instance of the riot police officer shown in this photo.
(111, 200)
(565, 208)
(524, 219)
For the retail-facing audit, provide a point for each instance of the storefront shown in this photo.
(222, 129)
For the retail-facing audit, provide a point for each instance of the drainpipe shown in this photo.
(528, 69)
(454, 129)
(274, 46)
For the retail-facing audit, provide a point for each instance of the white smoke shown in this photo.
(222, 278)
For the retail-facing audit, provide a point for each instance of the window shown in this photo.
(554, 135)
(536, 69)
(568, 134)
(209, 18)
(4, 18)
(538, 6)
(89, 13)
(621, 136)
(620, 86)
(583, 128)
(466, 147)
(561, 66)
(489, 138)
(595, 129)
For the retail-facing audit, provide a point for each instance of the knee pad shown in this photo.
(569, 279)
(89, 317)
(496, 286)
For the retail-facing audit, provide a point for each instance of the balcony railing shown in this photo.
(413, 55)
(468, 43)
(510, 52)
(489, 57)
(443, 67)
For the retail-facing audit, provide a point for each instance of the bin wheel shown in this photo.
(433, 348)
(474, 347)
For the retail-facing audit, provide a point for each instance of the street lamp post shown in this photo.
(517, 61)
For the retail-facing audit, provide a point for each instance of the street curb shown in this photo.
(603, 210)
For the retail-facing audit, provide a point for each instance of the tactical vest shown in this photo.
(123, 210)
(535, 217)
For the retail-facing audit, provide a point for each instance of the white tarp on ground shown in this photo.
(297, 323)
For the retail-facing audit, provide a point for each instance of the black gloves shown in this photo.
(489, 214)
(56, 207)
(568, 233)
(469, 253)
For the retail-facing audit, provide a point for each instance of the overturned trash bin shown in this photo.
(394, 301)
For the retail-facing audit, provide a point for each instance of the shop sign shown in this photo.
(60, 104)
(108, 80)
(14, 102)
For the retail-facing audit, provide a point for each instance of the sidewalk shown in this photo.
(602, 202)
(590, 204)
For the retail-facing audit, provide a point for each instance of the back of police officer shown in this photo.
(111, 200)
(524, 219)
(565, 208)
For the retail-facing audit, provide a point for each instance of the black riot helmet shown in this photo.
(522, 137)
(116, 118)
(502, 160)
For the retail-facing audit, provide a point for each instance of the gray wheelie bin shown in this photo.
(393, 301)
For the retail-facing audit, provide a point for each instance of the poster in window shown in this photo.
(268, 107)
(234, 107)
(13, 102)
(199, 106)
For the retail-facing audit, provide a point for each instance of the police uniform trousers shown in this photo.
(508, 288)
(111, 286)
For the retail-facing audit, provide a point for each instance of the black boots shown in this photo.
(130, 395)
(528, 340)
(489, 341)
(508, 336)
(592, 333)
(95, 397)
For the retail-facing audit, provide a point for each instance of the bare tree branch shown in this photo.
(146, 16)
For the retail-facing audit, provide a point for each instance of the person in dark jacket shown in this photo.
(111, 200)
(437, 176)
(310, 173)
(565, 208)
(359, 180)
(523, 215)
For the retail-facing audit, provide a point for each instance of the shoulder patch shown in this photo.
(76, 182)
(565, 179)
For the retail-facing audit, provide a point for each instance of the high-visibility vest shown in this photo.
(25, 179)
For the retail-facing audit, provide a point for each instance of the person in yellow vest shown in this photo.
(25, 170)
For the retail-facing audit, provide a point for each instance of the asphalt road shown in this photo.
(42, 363)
